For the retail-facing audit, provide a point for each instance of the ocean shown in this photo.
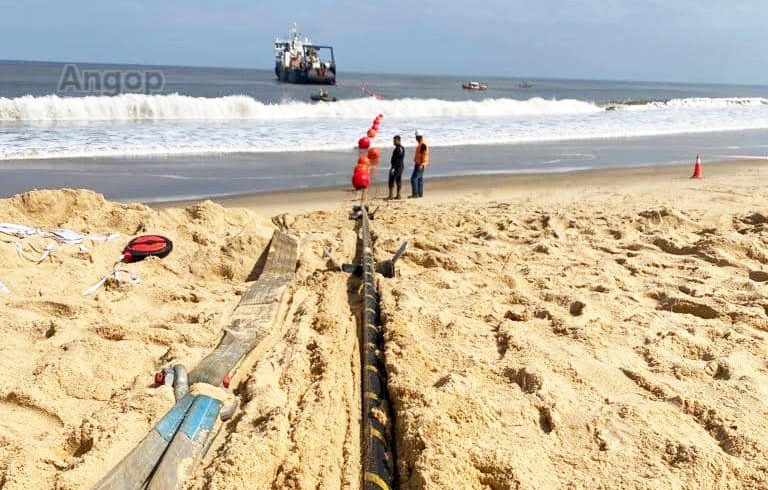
(220, 131)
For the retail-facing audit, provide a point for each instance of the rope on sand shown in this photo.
(116, 273)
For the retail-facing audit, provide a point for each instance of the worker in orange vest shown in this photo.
(421, 162)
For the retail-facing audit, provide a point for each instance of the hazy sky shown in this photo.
(675, 40)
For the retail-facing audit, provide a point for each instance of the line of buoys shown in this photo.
(367, 156)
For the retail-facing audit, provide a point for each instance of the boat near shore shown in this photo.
(298, 60)
(323, 96)
(475, 86)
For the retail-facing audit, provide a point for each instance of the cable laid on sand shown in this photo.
(170, 453)
(378, 457)
(378, 444)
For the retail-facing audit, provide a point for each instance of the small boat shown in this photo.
(475, 86)
(323, 96)
(525, 85)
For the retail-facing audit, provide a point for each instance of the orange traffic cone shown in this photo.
(697, 168)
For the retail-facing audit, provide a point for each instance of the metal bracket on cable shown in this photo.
(357, 212)
(385, 267)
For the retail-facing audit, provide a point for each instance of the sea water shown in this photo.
(219, 120)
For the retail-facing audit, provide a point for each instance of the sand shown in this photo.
(599, 330)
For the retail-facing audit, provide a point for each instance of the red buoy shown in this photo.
(374, 154)
(371, 133)
(363, 161)
(375, 126)
(361, 178)
(364, 142)
(381, 116)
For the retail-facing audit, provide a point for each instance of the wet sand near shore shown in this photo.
(599, 329)
(481, 187)
(202, 176)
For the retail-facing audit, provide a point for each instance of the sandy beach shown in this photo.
(601, 329)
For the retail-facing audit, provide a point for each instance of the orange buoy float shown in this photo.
(363, 161)
(371, 133)
(374, 154)
(364, 143)
(361, 177)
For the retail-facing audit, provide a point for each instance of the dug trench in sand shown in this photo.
(378, 452)
(597, 330)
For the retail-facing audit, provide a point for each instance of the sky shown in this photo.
(720, 41)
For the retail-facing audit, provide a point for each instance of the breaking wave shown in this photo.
(145, 125)
(694, 103)
(137, 107)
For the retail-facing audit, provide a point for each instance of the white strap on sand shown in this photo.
(4, 288)
(61, 235)
(51, 248)
(20, 231)
(71, 237)
(115, 272)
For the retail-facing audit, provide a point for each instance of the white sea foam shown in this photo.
(701, 103)
(137, 107)
(139, 125)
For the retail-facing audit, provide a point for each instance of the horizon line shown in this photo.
(353, 72)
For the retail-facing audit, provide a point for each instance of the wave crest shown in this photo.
(138, 107)
(698, 103)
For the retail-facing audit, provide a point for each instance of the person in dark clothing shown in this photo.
(396, 168)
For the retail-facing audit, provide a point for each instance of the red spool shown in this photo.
(364, 143)
(145, 246)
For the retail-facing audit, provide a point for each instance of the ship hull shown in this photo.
(306, 76)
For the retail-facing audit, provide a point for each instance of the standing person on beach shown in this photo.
(421, 162)
(396, 167)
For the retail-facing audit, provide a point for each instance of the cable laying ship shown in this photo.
(297, 60)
